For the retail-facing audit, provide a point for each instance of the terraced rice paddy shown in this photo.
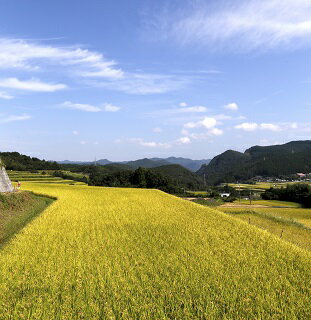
(109, 253)
(25, 176)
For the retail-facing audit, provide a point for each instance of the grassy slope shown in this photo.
(106, 253)
(16, 210)
(293, 224)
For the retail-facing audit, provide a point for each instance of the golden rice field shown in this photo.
(109, 253)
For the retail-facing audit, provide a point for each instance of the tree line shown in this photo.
(298, 192)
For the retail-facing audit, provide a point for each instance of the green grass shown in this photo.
(18, 209)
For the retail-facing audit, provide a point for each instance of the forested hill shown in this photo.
(17, 161)
(182, 175)
(232, 166)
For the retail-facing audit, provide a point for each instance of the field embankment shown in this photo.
(108, 253)
(18, 209)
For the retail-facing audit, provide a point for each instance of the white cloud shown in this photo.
(30, 55)
(194, 109)
(239, 25)
(75, 132)
(192, 124)
(80, 106)
(222, 117)
(247, 126)
(139, 83)
(207, 123)
(157, 130)
(252, 126)
(92, 66)
(4, 95)
(270, 126)
(183, 104)
(149, 144)
(90, 108)
(183, 140)
(216, 132)
(13, 118)
(231, 106)
(111, 108)
(31, 85)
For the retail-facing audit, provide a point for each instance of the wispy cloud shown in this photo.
(31, 55)
(149, 144)
(144, 83)
(239, 25)
(4, 95)
(157, 130)
(253, 126)
(232, 106)
(194, 109)
(13, 118)
(108, 107)
(183, 140)
(30, 85)
(90, 108)
(88, 68)
(207, 122)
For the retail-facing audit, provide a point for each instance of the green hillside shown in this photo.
(182, 175)
(17, 161)
(146, 163)
(232, 166)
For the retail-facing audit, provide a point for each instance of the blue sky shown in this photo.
(130, 79)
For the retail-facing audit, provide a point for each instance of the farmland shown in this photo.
(292, 224)
(39, 177)
(111, 253)
(261, 186)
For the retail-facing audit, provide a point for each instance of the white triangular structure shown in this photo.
(5, 182)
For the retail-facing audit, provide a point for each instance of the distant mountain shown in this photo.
(193, 165)
(101, 162)
(182, 175)
(73, 162)
(146, 163)
(276, 160)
